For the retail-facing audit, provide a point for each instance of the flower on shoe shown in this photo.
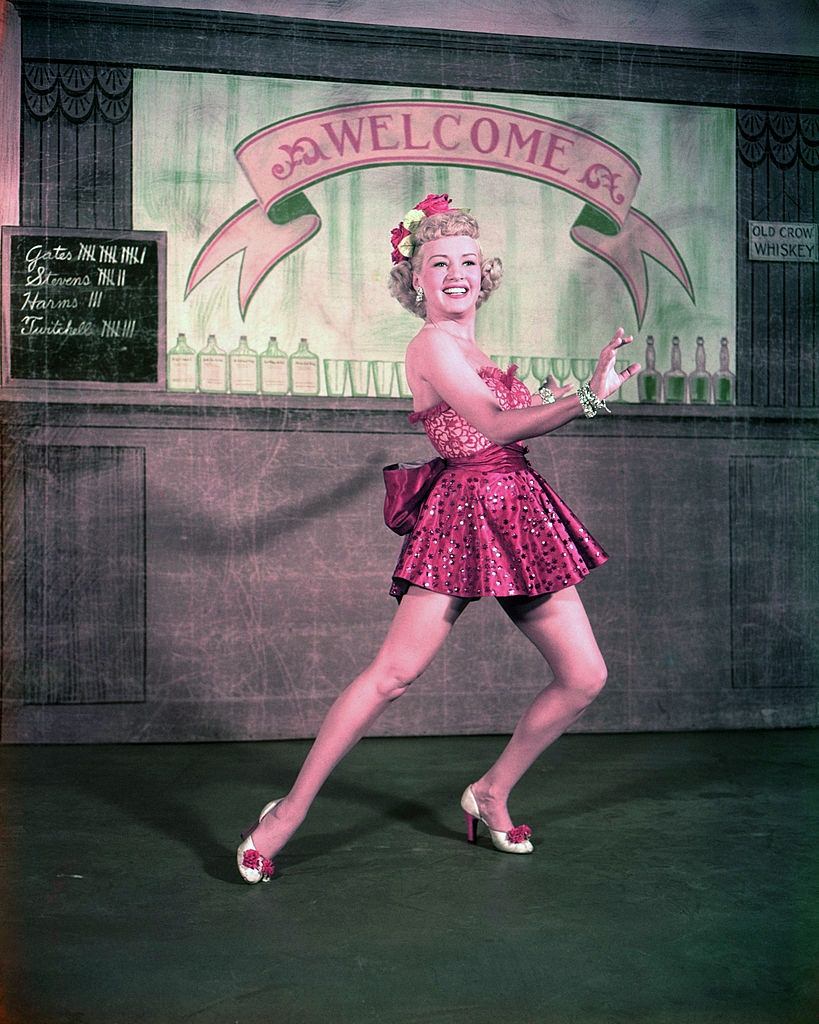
(251, 858)
(254, 860)
(518, 834)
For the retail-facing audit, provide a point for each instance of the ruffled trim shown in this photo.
(490, 370)
(508, 376)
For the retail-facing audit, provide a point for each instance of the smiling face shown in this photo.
(450, 274)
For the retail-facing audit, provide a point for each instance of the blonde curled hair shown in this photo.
(440, 225)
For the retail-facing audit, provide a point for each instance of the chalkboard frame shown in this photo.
(10, 231)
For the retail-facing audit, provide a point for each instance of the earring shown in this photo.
(419, 296)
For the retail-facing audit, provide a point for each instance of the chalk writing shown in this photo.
(83, 305)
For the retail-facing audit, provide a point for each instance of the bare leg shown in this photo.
(558, 626)
(416, 634)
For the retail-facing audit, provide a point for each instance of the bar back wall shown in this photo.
(202, 367)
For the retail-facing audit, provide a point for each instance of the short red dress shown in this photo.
(491, 526)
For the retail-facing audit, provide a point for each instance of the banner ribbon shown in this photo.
(283, 159)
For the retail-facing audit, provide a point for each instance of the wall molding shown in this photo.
(213, 413)
(70, 30)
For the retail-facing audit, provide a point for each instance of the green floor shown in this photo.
(673, 883)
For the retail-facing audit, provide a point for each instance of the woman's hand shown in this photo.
(606, 380)
(557, 389)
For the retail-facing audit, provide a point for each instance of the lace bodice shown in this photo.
(451, 435)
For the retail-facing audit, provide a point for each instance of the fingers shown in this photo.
(630, 371)
(558, 390)
(620, 338)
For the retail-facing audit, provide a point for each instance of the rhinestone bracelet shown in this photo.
(546, 395)
(589, 400)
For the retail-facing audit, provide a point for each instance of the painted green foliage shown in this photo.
(557, 300)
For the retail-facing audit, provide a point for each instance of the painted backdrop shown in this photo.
(561, 297)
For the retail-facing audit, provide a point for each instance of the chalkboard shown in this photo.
(83, 306)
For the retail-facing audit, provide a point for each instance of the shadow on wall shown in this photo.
(238, 522)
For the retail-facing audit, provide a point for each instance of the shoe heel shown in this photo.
(471, 827)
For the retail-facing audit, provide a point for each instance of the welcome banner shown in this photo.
(285, 158)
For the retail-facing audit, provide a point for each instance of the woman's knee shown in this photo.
(393, 680)
(585, 682)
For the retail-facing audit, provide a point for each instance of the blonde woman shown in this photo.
(488, 526)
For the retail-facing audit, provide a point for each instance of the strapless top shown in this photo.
(451, 435)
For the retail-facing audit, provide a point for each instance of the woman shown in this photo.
(489, 526)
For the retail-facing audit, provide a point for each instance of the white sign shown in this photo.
(775, 240)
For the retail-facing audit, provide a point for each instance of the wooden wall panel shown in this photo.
(268, 564)
(229, 41)
(777, 180)
(84, 574)
(76, 145)
(774, 540)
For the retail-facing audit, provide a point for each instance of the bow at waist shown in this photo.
(408, 486)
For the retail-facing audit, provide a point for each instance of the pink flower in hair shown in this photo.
(434, 204)
(400, 237)
(396, 237)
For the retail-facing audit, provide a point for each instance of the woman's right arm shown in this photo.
(444, 366)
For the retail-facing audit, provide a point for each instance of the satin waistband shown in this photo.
(498, 458)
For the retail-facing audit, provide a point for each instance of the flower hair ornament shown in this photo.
(401, 237)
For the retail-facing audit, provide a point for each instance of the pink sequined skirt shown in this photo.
(492, 527)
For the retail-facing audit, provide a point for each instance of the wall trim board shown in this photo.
(130, 411)
(221, 41)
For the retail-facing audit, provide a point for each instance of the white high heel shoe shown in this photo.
(253, 867)
(516, 840)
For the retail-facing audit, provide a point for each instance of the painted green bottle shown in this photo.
(674, 379)
(648, 379)
(275, 377)
(304, 371)
(212, 369)
(725, 383)
(699, 382)
(181, 366)
(244, 369)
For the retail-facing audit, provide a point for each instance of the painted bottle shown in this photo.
(181, 368)
(244, 369)
(648, 379)
(212, 369)
(674, 379)
(725, 382)
(275, 378)
(699, 382)
(304, 371)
